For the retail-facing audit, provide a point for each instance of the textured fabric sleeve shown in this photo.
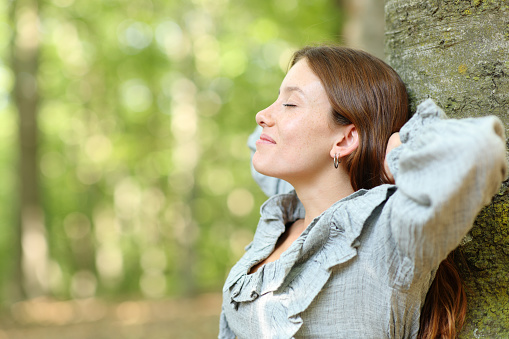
(224, 330)
(445, 171)
(269, 185)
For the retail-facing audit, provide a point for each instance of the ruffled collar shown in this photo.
(330, 240)
(334, 231)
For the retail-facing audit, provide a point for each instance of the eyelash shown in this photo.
(289, 105)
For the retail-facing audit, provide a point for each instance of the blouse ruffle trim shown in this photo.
(330, 240)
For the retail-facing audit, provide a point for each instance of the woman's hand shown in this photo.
(394, 142)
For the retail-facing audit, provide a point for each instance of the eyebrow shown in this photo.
(294, 89)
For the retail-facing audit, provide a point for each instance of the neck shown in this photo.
(318, 196)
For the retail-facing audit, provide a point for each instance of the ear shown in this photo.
(347, 142)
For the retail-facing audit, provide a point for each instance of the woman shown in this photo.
(348, 254)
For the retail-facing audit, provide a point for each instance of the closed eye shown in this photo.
(289, 105)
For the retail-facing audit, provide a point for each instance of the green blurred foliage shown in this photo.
(146, 106)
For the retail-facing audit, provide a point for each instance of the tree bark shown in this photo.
(455, 52)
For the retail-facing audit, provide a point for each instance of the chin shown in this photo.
(270, 172)
(260, 168)
(263, 168)
(271, 167)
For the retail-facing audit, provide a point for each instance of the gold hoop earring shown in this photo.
(337, 160)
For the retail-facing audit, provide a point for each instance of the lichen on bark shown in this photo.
(455, 52)
(486, 274)
(452, 51)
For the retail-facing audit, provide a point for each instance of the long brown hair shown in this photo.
(365, 91)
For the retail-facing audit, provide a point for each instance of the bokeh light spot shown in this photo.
(240, 202)
(135, 95)
(76, 225)
(264, 30)
(153, 284)
(134, 35)
(171, 40)
(233, 63)
(109, 263)
(127, 198)
(83, 284)
(98, 147)
(219, 180)
(153, 258)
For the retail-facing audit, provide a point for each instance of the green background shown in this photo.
(144, 112)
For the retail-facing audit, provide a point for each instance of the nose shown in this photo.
(264, 117)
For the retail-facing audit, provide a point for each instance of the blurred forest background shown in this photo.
(124, 171)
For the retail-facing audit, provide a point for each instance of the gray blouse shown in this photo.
(363, 267)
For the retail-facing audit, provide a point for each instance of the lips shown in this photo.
(265, 139)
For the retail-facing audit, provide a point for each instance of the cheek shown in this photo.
(295, 130)
(303, 133)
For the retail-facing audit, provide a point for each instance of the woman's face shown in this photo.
(298, 131)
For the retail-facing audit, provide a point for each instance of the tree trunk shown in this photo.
(31, 258)
(364, 25)
(455, 52)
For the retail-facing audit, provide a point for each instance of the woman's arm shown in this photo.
(445, 172)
